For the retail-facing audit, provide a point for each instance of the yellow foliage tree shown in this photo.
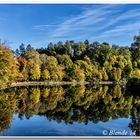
(45, 75)
(136, 73)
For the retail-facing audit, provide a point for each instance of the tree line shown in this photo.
(70, 61)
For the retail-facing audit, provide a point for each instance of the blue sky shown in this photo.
(40, 24)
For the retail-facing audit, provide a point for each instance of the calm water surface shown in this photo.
(69, 111)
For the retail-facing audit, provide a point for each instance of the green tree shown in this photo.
(87, 68)
(117, 74)
(22, 49)
(127, 71)
(51, 50)
(135, 52)
(33, 55)
(28, 48)
(65, 60)
(77, 74)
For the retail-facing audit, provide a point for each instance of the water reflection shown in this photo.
(70, 104)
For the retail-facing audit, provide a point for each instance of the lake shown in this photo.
(70, 111)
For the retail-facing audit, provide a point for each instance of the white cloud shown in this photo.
(121, 30)
(81, 22)
(87, 18)
(95, 22)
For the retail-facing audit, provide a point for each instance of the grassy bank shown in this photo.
(36, 83)
(47, 83)
(50, 83)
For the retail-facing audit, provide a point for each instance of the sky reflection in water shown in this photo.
(68, 111)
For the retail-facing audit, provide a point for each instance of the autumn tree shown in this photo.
(34, 71)
(77, 74)
(45, 74)
(8, 65)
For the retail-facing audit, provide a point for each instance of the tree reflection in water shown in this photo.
(70, 104)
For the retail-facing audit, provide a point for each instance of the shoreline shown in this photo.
(61, 83)
(49, 83)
